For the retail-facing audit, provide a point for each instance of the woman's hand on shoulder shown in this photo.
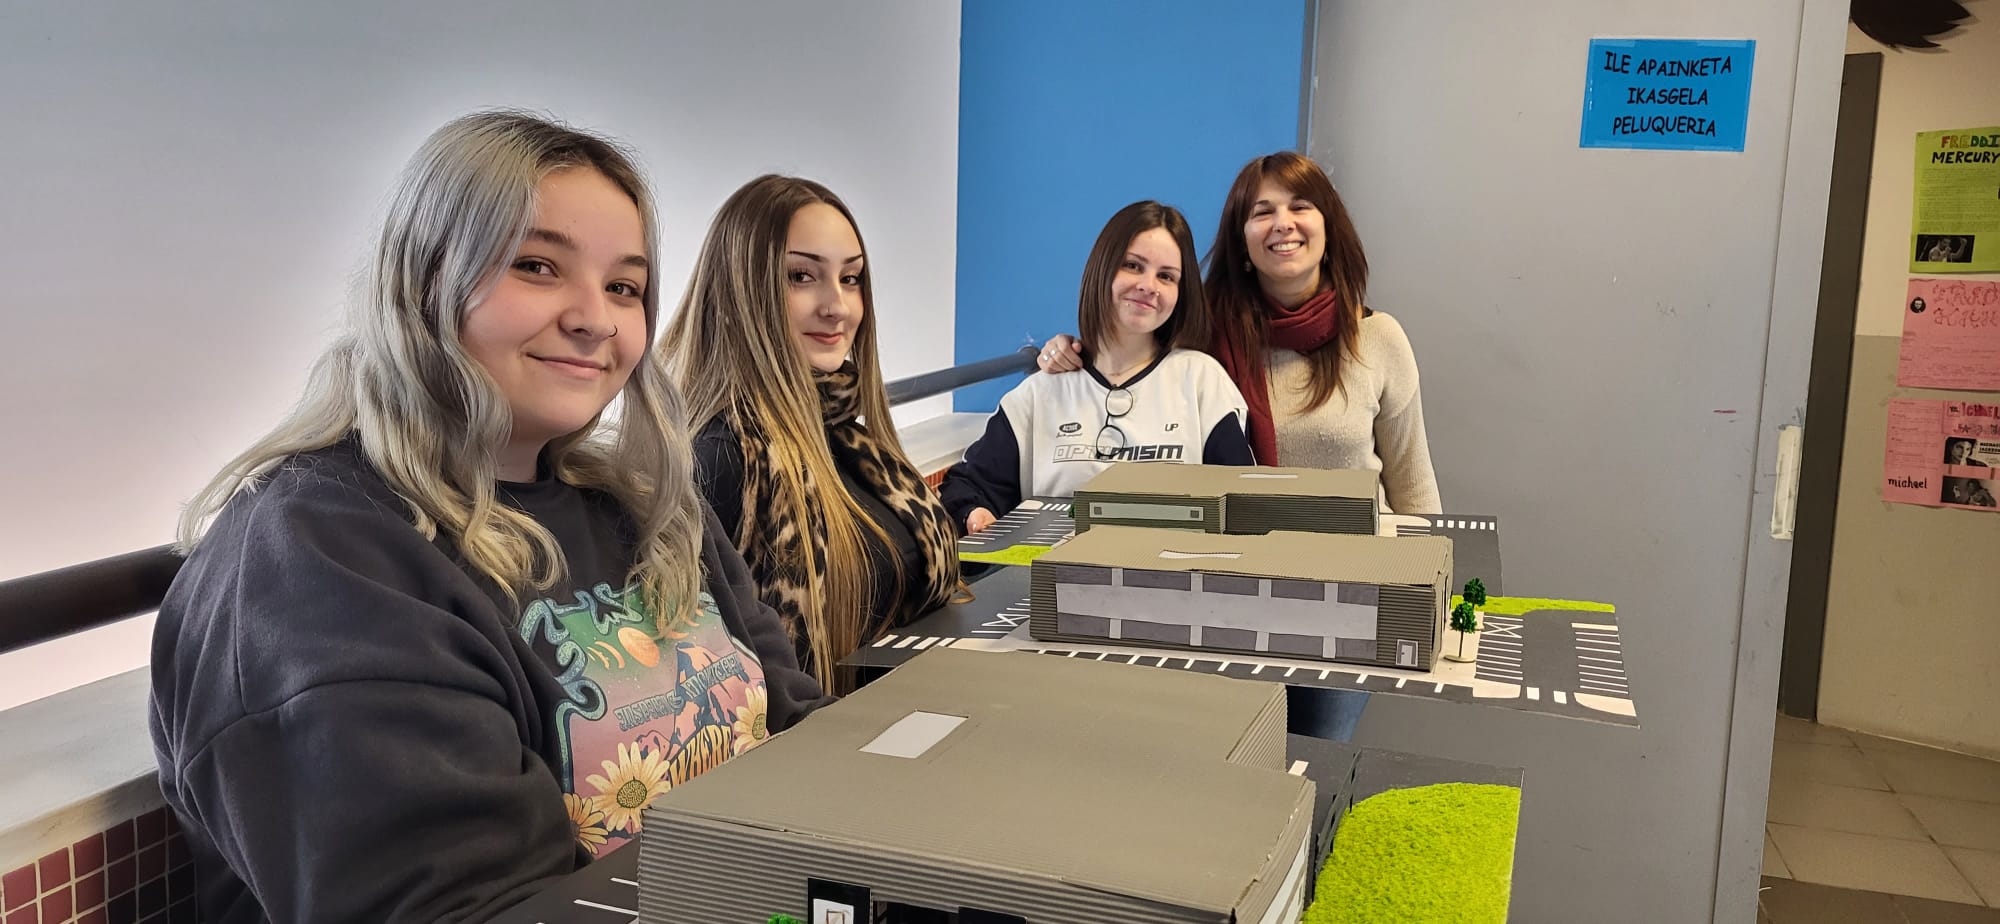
(1062, 354)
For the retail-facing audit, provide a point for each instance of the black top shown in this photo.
(718, 456)
(353, 726)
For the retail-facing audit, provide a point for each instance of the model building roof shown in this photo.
(1220, 480)
(1052, 776)
(1301, 556)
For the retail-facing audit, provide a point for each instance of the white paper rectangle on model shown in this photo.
(913, 734)
(1261, 613)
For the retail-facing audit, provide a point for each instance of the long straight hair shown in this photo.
(1095, 313)
(431, 420)
(1235, 297)
(730, 347)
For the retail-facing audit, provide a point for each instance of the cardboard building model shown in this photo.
(983, 787)
(1363, 599)
(1229, 499)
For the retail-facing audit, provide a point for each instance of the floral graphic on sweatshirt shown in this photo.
(750, 728)
(645, 709)
(629, 785)
(587, 820)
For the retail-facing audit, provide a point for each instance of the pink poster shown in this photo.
(1942, 454)
(1951, 335)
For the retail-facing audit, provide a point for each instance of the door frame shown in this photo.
(1787, 371)
(1826, 392)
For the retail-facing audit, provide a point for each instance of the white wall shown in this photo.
(1595, 331)
(189, 188)
(1903, 577)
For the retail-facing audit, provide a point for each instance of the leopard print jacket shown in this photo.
(772, 544)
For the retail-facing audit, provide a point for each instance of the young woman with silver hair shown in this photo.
(444, 633)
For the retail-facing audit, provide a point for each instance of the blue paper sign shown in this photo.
(1667, 94)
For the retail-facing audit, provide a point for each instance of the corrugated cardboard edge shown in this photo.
(1302, 807)
(1253, 748)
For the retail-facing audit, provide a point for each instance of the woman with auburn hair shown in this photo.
(775, 347)
(1146, 398)
(1330, 383)
(440, 639)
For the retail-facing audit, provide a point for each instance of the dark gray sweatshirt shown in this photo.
(353, 726)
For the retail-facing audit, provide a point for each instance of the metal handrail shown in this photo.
(930, 384)
(51, 604)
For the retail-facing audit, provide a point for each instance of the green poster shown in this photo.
(1956, 225)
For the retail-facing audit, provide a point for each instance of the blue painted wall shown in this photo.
(1069, 110)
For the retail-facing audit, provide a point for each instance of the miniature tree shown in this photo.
(783, 919)
(1475, 593)
(1463, 621)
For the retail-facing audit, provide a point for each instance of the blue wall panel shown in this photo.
(1070, 109)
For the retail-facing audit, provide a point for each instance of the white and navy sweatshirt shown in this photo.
(1042, 442)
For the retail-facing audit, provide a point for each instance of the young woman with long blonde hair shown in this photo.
(775, 347)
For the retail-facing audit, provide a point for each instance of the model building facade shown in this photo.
(1361, 599)
(997, 787)
(1230, 499)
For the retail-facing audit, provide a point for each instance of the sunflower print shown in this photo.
(637, 778)
(587, 819)
(750, 726)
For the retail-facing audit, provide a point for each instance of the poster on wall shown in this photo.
(1955, 227)
(1951, 335)
(1943, 454)
(1667, 94)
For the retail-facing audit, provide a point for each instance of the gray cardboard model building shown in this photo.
(1364, 599)
(1229, 499)
(997, 787)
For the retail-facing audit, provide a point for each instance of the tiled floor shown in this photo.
(1785, 901)
(1867, 829)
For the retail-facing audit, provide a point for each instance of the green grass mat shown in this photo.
(1017, 555)
(1522, 606)
(1441, 853)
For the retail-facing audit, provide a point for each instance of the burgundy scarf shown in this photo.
(1302, 330)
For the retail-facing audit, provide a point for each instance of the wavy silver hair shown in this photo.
(428, 416)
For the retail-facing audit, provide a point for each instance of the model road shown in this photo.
(1038, 521)
(1554, 651)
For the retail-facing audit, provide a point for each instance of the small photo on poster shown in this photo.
(1968, 492)
(1944, 248)
(1966, 451)
(1942, 454)
(1963, 453)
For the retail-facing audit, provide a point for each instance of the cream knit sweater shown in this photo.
(1377, 424)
